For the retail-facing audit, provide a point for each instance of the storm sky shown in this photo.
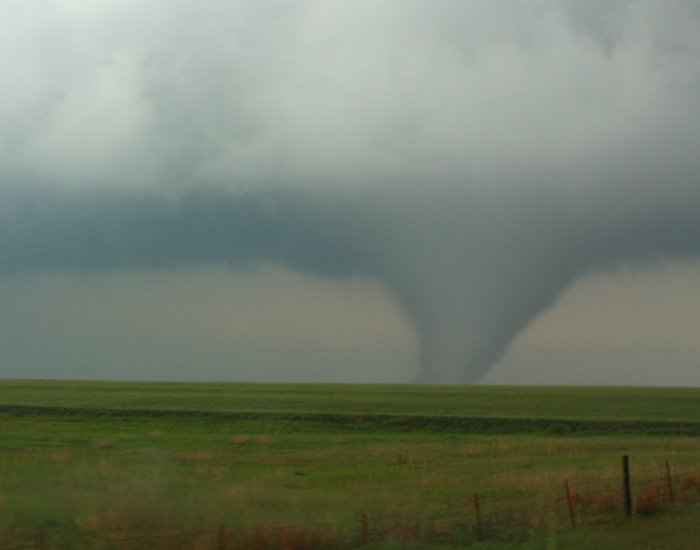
(326, 190)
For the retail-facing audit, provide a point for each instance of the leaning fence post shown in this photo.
(479, 520)
(626, 484)
(572, 513)
(670, 482)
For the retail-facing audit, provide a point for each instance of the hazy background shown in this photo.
(214, 324)
(356, 191)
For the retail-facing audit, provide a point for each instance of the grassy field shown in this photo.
(572, 403)
(167, 465)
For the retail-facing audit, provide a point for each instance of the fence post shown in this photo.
(221, 538)
(626, 484)
(572, 513)
(363, 520)
(479, 520)
(670, 482)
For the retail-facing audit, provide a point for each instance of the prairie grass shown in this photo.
(604, 404)
(77, 477)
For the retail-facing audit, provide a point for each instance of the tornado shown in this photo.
(476, 159)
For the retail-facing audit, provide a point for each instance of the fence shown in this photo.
(575, 504)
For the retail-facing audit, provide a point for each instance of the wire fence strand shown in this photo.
(498, 512)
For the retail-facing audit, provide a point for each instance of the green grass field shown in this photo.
(170, 465)
(573, 403)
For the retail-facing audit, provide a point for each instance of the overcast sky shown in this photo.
(327, 190)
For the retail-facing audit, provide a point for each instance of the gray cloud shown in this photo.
(477, 157)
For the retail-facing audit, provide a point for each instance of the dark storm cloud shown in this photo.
(99, 230)
(477, 157)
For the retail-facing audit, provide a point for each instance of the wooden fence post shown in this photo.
(363, 521)
(479, 520)
(670, 482)
(221, 538)
(626, 484)
(572, 513)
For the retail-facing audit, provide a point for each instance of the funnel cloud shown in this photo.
(477, 158)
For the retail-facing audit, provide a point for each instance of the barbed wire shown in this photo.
(461, 517)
